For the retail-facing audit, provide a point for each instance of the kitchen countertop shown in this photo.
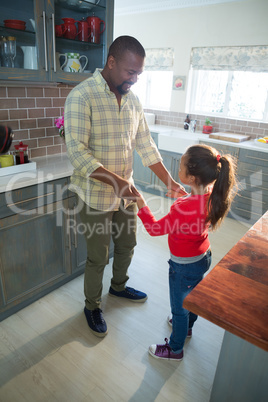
(57, 166)
(48, 168)
(234, 295)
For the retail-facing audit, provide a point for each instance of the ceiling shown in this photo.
(123, 7)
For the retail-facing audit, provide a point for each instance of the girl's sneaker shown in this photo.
(169, 320)
(165, 352)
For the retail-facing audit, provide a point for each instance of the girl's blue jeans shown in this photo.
(182, 279)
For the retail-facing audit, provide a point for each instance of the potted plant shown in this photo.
(207, 128)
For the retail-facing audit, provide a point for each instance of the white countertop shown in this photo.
(58, 166)
(47, 168)
(177, 139)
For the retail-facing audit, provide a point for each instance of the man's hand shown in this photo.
(175, 190)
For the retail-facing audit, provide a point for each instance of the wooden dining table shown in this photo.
(234, 296)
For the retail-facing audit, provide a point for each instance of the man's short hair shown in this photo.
(126, 43)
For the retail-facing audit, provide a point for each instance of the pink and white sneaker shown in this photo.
(165, 352)
(169, 320)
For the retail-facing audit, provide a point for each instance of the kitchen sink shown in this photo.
(176, 140)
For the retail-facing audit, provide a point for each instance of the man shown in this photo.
(104, 123)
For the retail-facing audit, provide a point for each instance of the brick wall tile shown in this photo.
(3, 92)
(52, 131)
(3, 115)
(34, 153)
(64, 92)
(46, 122)
(52, 112)
(58, 102)
(35, 92)
(56, 149)
(44, 142)
(21, 135)
(52, 92)
(29, 123)
(43, 102)
(26, 102)
(16, 92)
(14, 124)
(18, 114)
(35, 113)
(37, 133)
(58, 140)
(6, 103)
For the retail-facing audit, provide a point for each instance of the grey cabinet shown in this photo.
(251, 200)
(38, 252)
(143, 176)
(46, 47)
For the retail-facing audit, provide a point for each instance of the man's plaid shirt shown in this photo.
(98, 133)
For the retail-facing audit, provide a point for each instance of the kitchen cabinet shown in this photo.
(251, 200)
(38, 252)
(146, 180)
(143, 176)
(39, 42)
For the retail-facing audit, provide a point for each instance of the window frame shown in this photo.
(191, 93)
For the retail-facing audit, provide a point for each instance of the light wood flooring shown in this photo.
(49, 354)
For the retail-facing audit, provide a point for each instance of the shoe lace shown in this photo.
(165, 346)
(97, 316)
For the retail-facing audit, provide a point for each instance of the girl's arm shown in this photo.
(155, 228)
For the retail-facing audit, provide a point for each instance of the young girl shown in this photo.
(211, 178)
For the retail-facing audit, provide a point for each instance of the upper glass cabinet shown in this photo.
(60, 40)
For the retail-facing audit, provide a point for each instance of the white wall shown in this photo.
(229, 24)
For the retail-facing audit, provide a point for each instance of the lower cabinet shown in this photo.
(37, 251)
(41, 246)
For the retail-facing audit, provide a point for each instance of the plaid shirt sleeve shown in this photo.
(77, 127)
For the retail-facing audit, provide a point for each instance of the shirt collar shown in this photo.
(101, 81)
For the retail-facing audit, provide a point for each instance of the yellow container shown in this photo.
(6, 160)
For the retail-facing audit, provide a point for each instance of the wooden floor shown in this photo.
(49, 354)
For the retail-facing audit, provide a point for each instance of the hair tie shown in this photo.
(218, 158)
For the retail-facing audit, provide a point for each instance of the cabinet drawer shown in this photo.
(222, 148)
(32, 197)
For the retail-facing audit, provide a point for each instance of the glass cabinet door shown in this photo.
(22, 40)
(60, 40)
(79, 33)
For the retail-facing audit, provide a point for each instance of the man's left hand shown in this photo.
(175, 190)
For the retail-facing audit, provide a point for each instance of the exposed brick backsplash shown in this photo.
(31, 111)
(253, 129)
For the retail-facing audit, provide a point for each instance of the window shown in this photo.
(229, 82)
(154, 89)
(233, 94)
(155, 83)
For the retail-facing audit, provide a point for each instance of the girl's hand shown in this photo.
(140, 200)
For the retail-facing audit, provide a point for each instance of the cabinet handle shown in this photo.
(75, 234)
(45, 39)
(69, 234)
(54, 42)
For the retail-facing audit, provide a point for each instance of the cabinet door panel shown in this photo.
(29, 62)
(33, 253)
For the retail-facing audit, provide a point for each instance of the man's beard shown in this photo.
(120, 88)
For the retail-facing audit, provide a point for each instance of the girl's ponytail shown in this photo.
(208, 167)
(223, 190)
